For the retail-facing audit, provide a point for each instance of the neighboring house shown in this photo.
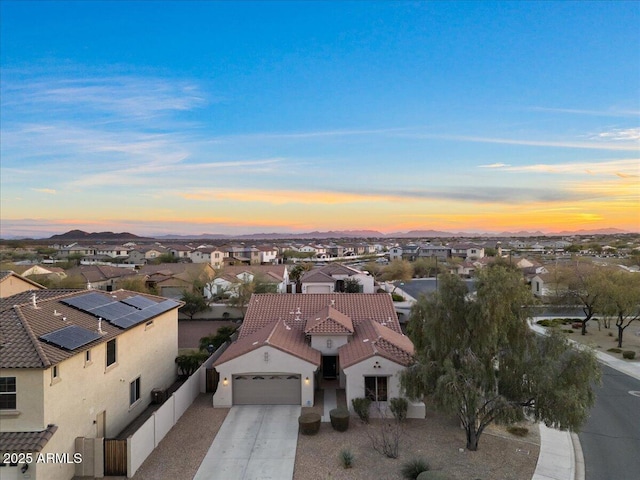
(212, 255)
(102, 277)
(170, 280)
(338, 273)
(231, 277)
(68, 374)
(467, 250)
(438, 251)
(75, 250)
(182, 252)
(546, 285)
(288, 344)
(410, 252)
(141, 255)
(240, 254)
(268, 254)
(395, 253)
(112, 251)
(11, 284)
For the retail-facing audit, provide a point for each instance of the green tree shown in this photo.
(135, 284)
(586, 285)
(189, 363)
(479, 360)
(194, 302)
(223, 334)
(622, 299)
(397, 271)
(374, 269)
(351, 285)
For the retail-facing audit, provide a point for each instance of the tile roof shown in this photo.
(22, 325)
(372, 339)
(316, 276)
(26, 442)
(276, 272)
(339, 269)
(329, 321)
(100, 273)
(282, 321)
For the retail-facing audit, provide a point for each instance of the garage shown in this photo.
(267, 389)
(318, 288)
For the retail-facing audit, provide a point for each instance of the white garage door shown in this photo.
(267, 389)
(318, 289)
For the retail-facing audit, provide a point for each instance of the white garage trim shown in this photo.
(318, 289)
(267, 389)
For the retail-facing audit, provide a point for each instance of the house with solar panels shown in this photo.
(78, 364)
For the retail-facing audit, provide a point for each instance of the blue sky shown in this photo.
(239, 117)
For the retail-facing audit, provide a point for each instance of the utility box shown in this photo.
(158, 396)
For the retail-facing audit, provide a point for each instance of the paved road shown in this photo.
(611, 437)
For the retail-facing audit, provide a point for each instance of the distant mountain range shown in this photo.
(79, 235)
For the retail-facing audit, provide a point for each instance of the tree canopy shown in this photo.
(478, 359)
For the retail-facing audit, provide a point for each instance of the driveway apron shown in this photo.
(255, 442)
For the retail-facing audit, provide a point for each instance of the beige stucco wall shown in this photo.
(354, 378)
(84, 390)
(12, 285)
(29, 414)
(253, 362)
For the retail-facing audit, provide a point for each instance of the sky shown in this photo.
(237, 117)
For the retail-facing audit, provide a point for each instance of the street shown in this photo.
(611, 437)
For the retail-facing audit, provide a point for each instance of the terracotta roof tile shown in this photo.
(372, 339)
(329, 321)
(26, 442)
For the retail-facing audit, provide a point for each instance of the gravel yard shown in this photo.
(437, 439)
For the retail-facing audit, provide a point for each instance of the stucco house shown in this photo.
(331, 278)
(78, 364)
(172, 279)
(232, 276)
(290, 344)
(11, 283)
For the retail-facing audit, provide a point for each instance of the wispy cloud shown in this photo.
(49, 191)
(622, 168)
(613, 112)
(495, 165)
(620, 134)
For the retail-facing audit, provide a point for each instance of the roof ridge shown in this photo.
(273, 329)
(34, 341)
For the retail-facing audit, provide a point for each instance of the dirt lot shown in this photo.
(605, 338)
(191, 331)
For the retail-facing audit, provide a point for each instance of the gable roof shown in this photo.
(5, 275)
(372, 339)
(316, 276)
(26, 442)
(329, 321)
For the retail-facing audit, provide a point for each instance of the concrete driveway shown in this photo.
(254, 442)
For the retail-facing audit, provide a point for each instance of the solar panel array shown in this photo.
(71, 337)
(122, 314)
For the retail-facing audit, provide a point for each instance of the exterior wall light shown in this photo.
(225, 382)
(306, 381)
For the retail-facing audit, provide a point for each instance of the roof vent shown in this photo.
(100, 331)
(298, 311)
(33, 301)
(56, 313)
(333, 302)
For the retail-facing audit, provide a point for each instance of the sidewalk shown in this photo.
(560, 452)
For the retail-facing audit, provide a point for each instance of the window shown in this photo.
(55, 373)
(375, 388)
(111, 352)
(134, 391)
(87, 356)
(8, 393)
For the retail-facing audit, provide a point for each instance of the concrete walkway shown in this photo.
(254, 442)
(330, 402)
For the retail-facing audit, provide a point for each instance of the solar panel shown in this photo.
(113, 311)
(139, 301)
(88, 301)
(70, 337)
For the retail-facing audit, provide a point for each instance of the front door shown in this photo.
(329, 366)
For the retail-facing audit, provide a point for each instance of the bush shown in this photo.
(361, 406)
(399, 407)
(567, 330)
(518, 431)
(615, 350)
(413, 468)
(223, 334)
(432, 475)
(396, 297)
(339, 419)
(346, 458)
(309, 423)
(629, 354)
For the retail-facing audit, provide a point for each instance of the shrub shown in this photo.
(309, 423)
(629, 354)
(339, 419)
(223, 334)
(361, 406)
(576, 325)
(615, 350)
(567, 330)
(399, 407)
(518, 431)
(432, 475)
(396, 297)
(346, 458)
(413, 468)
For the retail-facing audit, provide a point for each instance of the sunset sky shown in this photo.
(243, 117)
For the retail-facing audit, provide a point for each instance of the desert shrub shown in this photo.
(309, 423)
(615, 350)
(361, 407)
(567, 330)
(399, 407)
(339, 419)
(346, 458)
(414, 467)
(432, 475)
(223, 334)
(518, 431)
(396, 297)
(629, 354)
